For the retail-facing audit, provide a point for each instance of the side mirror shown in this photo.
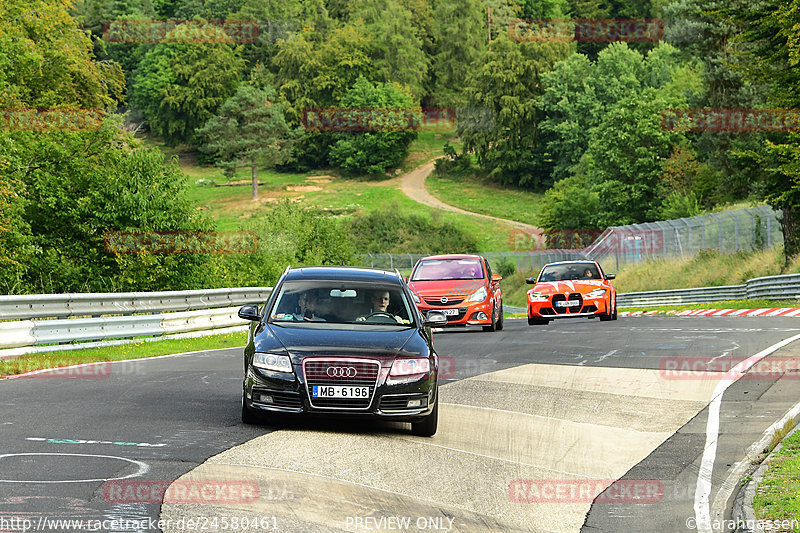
(530, 281)
(434, 319)
(610, 276)
(496, 277)
(249, 312)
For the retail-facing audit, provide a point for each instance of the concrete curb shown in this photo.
(768, 312)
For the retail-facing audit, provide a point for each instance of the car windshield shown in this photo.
(341, 302)
(438, 269)
(569, 271)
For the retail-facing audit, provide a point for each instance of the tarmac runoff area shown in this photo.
(563, 433)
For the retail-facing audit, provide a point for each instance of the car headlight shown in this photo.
(410, 367)
(597, 293)
(537, 297)
(272, 361)
(478, 296)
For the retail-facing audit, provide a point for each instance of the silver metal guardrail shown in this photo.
(103, 316)
(31, 306)
(785, 287)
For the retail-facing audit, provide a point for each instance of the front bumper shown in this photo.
(476, 314)
(284, 393)
(588, 308)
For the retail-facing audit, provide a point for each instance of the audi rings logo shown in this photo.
(443, 299)
(341, 371)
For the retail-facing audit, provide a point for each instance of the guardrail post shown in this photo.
(735, 229)
(752, 229)
(719, 231)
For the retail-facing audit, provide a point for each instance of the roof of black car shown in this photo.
(345, 273)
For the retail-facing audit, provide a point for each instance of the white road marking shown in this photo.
(736, 473)
(82, 441)
(702, 493)
(609, 354)
(143, 468)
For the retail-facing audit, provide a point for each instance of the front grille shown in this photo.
(349, 372)
(286, 399)
(400, 403)
(575, 297)
(438, 301)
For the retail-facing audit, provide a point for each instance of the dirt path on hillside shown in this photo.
(413, 186)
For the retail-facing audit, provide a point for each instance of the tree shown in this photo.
(47, 61)
(396, 51)
(372, 152)
(626, 154)
(75, 188)
(250, 130)
(773, 57)
(707, 30)
(459, 41)
(506, 86)
(181, 84)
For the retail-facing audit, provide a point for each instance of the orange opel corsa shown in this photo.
(462, 287)
(571, 289)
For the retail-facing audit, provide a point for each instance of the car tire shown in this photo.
(500, 318)
(493, 325)
(427, 426)
(605, 317)
(249, 416)
(537, 321)
(614, 316)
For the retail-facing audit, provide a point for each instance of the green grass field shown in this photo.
(39, 361)
(228, 200)
(477, 196)
(776, 496)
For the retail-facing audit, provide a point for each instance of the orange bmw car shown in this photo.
(462, 287)
(570, 289)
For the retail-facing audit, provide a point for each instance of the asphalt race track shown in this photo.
(574, 426)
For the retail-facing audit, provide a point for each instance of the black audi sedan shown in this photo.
(341, 341)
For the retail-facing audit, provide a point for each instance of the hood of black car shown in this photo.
(304, 341)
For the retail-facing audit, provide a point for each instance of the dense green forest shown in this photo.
(234, 80)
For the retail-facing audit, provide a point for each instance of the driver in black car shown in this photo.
(309, 306)
(379, 303)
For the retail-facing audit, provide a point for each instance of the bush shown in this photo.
(372, 152)
(454, 163)
(81, 186)
(506, 268)
(387, 230)
(570, 204)
(289, 234)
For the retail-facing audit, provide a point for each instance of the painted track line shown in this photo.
(702, 493)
